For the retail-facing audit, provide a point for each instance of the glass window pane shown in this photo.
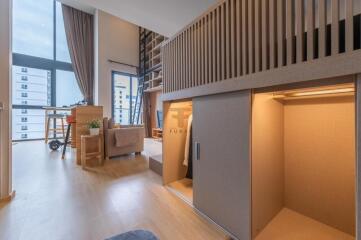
(28, 124)
(31, 86)
(121, 99)
(134, 87)
(67, 89)
(33, 28)
(62, 50)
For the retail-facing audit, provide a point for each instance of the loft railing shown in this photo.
(243, 37)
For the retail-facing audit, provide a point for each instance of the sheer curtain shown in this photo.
(79, 29)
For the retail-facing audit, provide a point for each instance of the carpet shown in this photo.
(135, 235)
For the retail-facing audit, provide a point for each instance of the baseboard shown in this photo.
(8, 198)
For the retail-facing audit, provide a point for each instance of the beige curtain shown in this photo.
(80, 37)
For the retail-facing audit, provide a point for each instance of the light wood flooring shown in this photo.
(56, 199)
(290, 225)
(183, 187)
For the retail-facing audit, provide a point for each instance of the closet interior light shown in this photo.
(314, 92)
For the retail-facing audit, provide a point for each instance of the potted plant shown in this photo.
(94, 127)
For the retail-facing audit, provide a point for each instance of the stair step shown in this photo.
(155, 164)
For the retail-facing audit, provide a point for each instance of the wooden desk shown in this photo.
(83, 115)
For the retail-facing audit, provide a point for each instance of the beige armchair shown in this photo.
(122, 140)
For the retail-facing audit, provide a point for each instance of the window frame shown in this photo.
(131, 76)
(52, 65)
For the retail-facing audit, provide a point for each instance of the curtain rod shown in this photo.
(126, 64)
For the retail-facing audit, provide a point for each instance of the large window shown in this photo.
(42, 70)
(125, 89)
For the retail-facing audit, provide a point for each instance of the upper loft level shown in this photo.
(243, 44)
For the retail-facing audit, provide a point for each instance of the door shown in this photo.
(221, 158)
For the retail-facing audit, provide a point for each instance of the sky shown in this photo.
(33, 28)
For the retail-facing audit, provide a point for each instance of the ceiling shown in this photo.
(166, 17)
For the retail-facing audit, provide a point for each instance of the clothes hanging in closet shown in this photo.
(188, 141)
(190, 152)
(188, 149)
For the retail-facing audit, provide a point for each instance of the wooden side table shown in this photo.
(91, 148)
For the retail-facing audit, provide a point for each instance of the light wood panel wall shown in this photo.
(267, 160)
(296, 165)
(243, 37)
(314, 164)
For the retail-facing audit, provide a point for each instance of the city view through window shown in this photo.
(125, 88)
(42, 71)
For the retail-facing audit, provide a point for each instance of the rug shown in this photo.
(135, 235)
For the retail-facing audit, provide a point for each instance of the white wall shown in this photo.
(165, 17)
(115, 40)
(5, 91)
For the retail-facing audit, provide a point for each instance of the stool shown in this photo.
(69, 120)
(55, 130)
(87, 154)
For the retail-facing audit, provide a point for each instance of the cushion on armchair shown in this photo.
(126, 137)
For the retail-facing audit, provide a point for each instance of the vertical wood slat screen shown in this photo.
(242, 37)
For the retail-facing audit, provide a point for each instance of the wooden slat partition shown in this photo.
(209, 51)
(218, 33)
(265, 35)
(233, 31)
(300, 30)
(272, 33)
(180, 45)
(322, 28)
(228, 40)
(245, 33)
(251, 36)
(310, 30)
(290, 30)
(349, 26)
(189, 57)
(258, 36)
(281, 32)
(335, 27)
(244, 37)
(214, 47)
(238, 31)
(198, 69)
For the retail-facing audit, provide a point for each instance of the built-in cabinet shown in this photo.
(275, 163)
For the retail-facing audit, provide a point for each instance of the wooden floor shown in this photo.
(56, 199)
(184, 187)
(290, 225)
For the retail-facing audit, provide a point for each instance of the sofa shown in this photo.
(122, 139)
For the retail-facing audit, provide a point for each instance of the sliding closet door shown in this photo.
(221, 158)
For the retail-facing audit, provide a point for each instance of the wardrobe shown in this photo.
(274, 163)
(221, 149)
